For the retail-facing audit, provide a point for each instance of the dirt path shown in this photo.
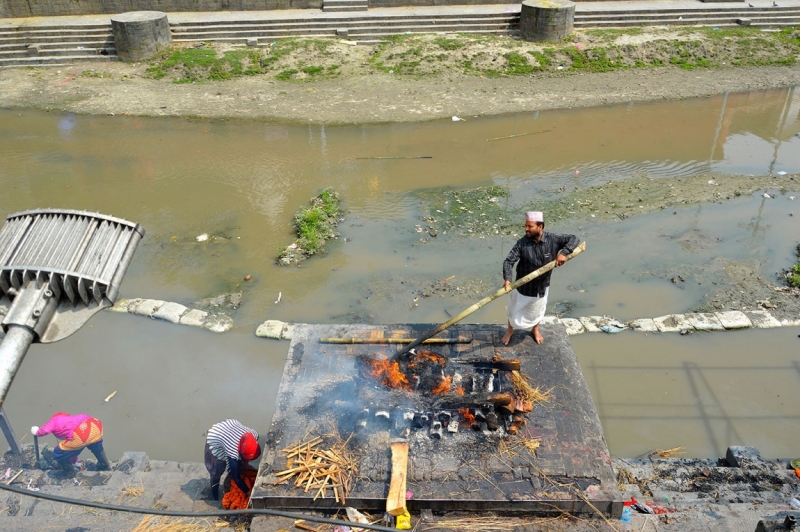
(360, 84)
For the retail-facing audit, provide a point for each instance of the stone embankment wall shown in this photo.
(36, 8)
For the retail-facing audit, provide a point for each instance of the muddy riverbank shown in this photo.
(486, 212)
(414, 78)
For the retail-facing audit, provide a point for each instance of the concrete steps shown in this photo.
(56, 45)
(355, 27)
(769, 17)
(339, 6)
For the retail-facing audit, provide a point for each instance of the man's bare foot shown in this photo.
(537, 336)
(507, 337)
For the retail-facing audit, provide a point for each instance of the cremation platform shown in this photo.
(324, 391)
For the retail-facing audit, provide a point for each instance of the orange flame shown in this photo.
(388, 372)
(444, 386)
(467, 416)
(422, 356)
(460, 390)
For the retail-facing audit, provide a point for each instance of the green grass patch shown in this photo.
(450, 44)
(314, 226)
(544, 59)
(592, 60)
(200, 64)
(286, 75)
(793, 278)
(517, 64)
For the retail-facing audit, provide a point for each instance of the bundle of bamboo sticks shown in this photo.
(318, 469)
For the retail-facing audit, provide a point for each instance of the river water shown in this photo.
(245, 179)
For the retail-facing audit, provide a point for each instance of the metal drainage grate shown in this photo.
(81, 255)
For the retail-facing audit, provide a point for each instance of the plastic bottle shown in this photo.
(794, 503)
(626, 515)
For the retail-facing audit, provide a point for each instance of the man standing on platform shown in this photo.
(527, 303)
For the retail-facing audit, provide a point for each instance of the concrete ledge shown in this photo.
(672, 323)
(643, 325)
(705, 322)
(592, 323)
(275, 329)
(573, 326)
(173, 313)
(737, 455)
(761, 319)
(734, 319)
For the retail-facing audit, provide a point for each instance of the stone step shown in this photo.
(790, 21)
(343, 9)
(338, 22)
(697, 16)
(331, 30)
(49, 30)
(345, 3)
(55, 38)
(56, 60)
(57, 45)
(56, 52)
(679, 10)
(341, 19)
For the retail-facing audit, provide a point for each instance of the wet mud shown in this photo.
(486, 212)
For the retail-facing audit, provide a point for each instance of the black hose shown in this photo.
(172, 513)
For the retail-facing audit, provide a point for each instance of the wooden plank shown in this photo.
(396, 501)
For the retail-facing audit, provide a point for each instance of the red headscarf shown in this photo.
(248, 447)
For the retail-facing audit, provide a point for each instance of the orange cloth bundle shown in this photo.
(235, 499)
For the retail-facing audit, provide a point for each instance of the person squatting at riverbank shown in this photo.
(230, 445)
(527, 303)
(76, 433)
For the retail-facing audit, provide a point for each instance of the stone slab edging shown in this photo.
(173, 313)
(716, 321)
(710, 321)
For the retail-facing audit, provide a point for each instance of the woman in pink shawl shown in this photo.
(75, 432)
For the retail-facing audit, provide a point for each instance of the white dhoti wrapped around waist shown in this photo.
(524, 312)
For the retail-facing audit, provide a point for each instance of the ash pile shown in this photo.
(433, 395)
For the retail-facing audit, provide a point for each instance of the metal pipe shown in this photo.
(36, 447)
(16, 343)
(434, 341)
(8, 432)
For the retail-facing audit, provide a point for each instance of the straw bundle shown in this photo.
(318, 469)
(526, 391)
(155, 523)
(666, 453)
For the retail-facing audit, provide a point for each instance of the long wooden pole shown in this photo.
(488, 299)
(436, 341)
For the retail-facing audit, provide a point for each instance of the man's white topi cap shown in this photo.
(534, 216)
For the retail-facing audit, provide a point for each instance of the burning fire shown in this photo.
(388, 372)
(467, 416)
(444, 386)
(423, 356)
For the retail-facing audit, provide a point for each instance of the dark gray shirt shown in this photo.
(533, 255)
